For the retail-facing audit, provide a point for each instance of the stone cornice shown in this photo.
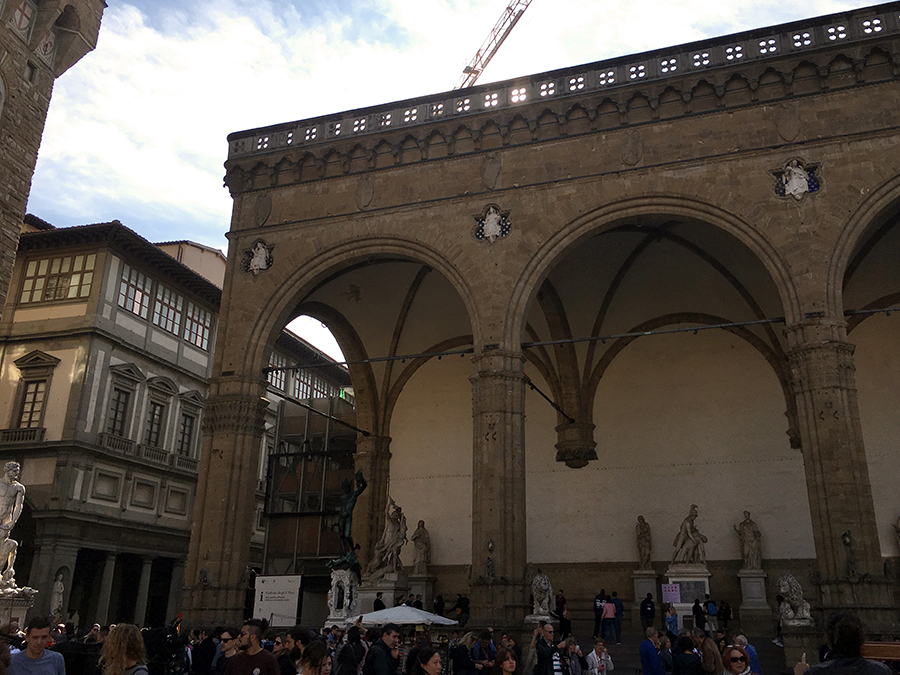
(772, 64)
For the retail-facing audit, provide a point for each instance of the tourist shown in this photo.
(277, 645)
(599, 601)
(845, 635)
(251, 658)
(418, 602)
(461, 655)
(724, 614)
(737, 661)
(124, 652)
(93, 635)
(609, 620)
(505, 662)
(349, 658)
(599, 661)
(313, 659)
(711, 610)
(484, 650)
(740, 640)
(647, 611)
(665, 654)
(699, 615)
(203, 653)
(542, 643)
(776, 617)
(649, 651)
(620, 614)
(378, 604)
(229, 645)
(382, 658)
(573, 656)
(428, 662)
(671, 619)
(686, 661)
(437, 606)
(36, 659)
(710, 658)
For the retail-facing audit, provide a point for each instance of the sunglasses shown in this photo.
(738, 659)
(223, 640)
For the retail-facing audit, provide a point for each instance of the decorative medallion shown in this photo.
(797, 179)
(257, 258)
(364, 192)
(47, 48)
(262, 209)
(491, 224)
(22, 20)
(632, 147)
(490, 171)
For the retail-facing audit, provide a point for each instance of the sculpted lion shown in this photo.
(794, 607)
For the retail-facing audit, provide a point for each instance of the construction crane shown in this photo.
(483, 56)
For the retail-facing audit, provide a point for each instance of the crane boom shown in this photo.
(507, 22)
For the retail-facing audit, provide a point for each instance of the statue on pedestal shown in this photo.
(689, 543)
(386, 558)
(542, 592)
(12, 499)
(348, 559)
(643, 543)
(751, 539)
(422, 542)
(794, 610)
(56, 598)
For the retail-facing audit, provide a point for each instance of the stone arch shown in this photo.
(281, 304)
(609, 216)
(882, 202)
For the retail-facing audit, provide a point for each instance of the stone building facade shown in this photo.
(105, 356)
(39, 41)
(690, 251)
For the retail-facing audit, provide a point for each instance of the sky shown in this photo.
(137, 130)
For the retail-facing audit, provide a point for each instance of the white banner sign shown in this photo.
(275, 599)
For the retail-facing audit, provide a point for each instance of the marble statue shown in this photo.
(12, 499)
(386, 558)
(542, 592)
(56, 597)
(793, 610)
(422, 542)
(689, 543)
(348, 559)
(751, 539)
(643, 543)
(259, 258)
(796, 180)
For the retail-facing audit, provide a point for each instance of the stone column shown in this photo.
(140, 609)
(837, 475)
(373, 458)
(498, 489)
(106, 582)
(176, 588)
(225, 505)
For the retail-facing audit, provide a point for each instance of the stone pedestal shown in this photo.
(423, 584)
(755, 614)
(14, 608)
(800, 638)
(645, 581)
(693, 578)
(391, 584)
(342, 598)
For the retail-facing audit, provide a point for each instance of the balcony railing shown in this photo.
(33, 435)
(184, 462)
(153, 454)
(117, 443)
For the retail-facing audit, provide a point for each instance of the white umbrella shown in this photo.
(405, 616)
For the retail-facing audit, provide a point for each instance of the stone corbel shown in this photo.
(576, 446)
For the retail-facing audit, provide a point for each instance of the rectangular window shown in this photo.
(32, 408)
(134, 292)
(167, 310)
(277, 377)
(118, 409)
(323, 389)
(154, 424)
(185, 434)
(196, 326)
(302, 384)
(60, 278)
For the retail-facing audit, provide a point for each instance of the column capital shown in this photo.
(498, 361)
(235, 414)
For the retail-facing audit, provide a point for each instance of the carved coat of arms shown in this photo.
(797, 179)
(257, 258)
(491, 224)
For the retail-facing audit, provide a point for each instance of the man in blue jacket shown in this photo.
(650, 663)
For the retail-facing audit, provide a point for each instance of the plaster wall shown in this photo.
(680, 419)
(431, 463)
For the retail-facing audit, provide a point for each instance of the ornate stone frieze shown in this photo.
(235, 415)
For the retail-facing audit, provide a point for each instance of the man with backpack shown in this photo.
(380, 659)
